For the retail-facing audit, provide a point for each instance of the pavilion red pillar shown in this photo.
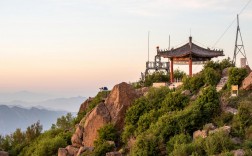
(190, 67)
(171, 72)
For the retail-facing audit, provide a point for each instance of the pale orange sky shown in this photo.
(73, 47)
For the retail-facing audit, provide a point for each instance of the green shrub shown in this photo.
(107, 132)
(102, 148)
(211, 76)
(235, 76)
(178, 74)
(244, 114)
(65, 122)
(177, 140)
(219, 66)
(182, 150)
(175, 101)
(146, 120)
(146, 145)
(155, 77)
(218, 142)
(223, 119)
(188, 120)
(48, 143)
(193, 83)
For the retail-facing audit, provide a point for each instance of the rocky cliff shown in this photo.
(112, 110)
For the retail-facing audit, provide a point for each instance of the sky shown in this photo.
(74, 47)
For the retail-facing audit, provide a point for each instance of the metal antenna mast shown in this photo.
(169, 43)
(148, 46)
(239, 48)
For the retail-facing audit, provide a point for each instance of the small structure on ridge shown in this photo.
(189, 53)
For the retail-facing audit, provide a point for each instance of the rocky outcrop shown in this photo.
(2, 153)
(118, 101)
(85, 104)
(96, 119)
(199, 133)
(77, 137)
(84, 149)
(239, 152)
(221, 83)
(186, 92)
(247, 82)
(210, 129)
(113, 110)
(225, 129)
(209, 126)
(71, 150)
(225, 72)
(62, 152)
(142, 91)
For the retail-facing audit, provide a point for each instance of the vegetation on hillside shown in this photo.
(159, 123)
(162, 123)
(34, 142)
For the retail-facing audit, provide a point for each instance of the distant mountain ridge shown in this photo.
(15, 117)
(71, 104)
(24, 96)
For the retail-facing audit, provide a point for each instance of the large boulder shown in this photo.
(84, 149)
(61, 152)
(118, 101)
(3, 153)
(96, 119)
(199, 133)
(72, 151)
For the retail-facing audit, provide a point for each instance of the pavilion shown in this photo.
(189, 53)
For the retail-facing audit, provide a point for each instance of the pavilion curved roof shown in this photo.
(190, 49)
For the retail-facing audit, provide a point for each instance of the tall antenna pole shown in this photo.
(239, 48)
(169, 42)
(148, 46)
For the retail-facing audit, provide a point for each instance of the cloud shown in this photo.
(159, 7)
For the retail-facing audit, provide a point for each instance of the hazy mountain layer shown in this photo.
(16, 117)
